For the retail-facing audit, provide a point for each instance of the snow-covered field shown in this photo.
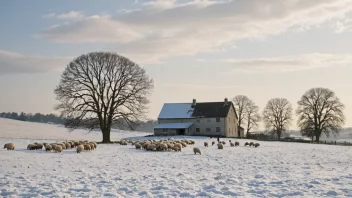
(274, 169)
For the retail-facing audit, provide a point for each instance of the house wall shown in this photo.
(202, 124)
(231, 123)
(160, 132)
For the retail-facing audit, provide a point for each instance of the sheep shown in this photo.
(213, 143)
(151, 147)
(79, 148)
(138, 146)
(145, 145)
(197, 150)
(223, 142)
(256, 145)
(229, 141)
(170, 146)
(39, 146)
(220, 146)
(183, 144)
(87, 147)
(68, 145)
(9, 146)
(48, 147)
(232, 144)
(58, 149)
(178, 147)
(31, 147)
(237, 143)
(251, 144)
(206, 144)
(246, 144)
(164, 147)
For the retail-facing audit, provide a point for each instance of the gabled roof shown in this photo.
(201, 110)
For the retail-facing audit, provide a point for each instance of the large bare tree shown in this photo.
(277, 116)
(252, 116)
(241, 104)
(320, 111)
(101, 89)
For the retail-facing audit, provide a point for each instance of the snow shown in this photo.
(174, 125)
(176, 110)
(275, 169)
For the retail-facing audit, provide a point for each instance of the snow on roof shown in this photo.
(176, 110)
(185, 125)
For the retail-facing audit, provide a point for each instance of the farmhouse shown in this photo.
(213, 119)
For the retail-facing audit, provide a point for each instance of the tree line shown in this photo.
(37, 117)
(319, 112)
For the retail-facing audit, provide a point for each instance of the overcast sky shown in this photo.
(203, 49)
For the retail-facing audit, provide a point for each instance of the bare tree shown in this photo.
(100, 89)
(241, 103)
(278, 116)
(320, 111)
(252, 116)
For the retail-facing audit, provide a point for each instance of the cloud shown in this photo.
(169, 28)
(287, 63)
(73, 15)
(11, 63)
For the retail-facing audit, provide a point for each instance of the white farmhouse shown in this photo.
(212, 119)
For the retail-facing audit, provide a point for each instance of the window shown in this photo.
(217, 129)
(197, 130)
(198, 121)
(217, 119)
(208, 120)
(164, 130)
(208, 130)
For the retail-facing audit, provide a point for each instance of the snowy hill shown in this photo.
(275, 169)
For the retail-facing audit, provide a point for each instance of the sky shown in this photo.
(202, 49)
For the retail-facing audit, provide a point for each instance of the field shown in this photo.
(274, 169)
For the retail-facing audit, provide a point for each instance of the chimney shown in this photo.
(225, 101)
(194, 103)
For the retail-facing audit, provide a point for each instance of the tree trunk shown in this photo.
(317, 138)
(106, 136)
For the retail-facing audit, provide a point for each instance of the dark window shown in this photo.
(197, 129)
(217, 129)
(217, 119)
(208, 130)
(164, 130)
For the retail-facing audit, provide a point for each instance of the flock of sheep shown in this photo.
(149, 145)
(158, 145)
(175, 145)
(58, 147)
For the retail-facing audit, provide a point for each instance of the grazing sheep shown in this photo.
(170, 146)
(220, 146)
(145, 145)
(178, 147)
(206, 144)
(79, 148)
(223, 142)
(87, 147)
(251, 144)
(237, 143)
(232, 144)
(151, 147)
(256, 145)
(9, 146)
(183, 144)
(48, 147)
(230, 141)
(138, 146)
(213, 143)
(163, 147)
(197, 150)
(39, 146)
(31, 147)
(58, 149)
(68, 145)
(246, 144)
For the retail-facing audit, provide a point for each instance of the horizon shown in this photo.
(202, 49)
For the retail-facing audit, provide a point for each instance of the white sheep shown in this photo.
(232, 144)
(58, 148)
(220, 146)
(9, 146)
(79, 148)
(138, 146)
(197, 150)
